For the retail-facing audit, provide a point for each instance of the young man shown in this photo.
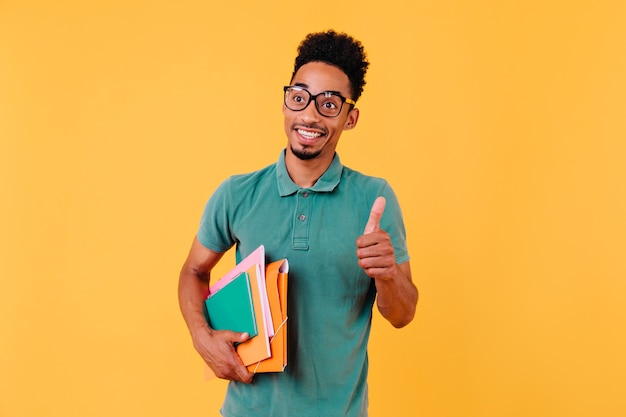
(342, 233)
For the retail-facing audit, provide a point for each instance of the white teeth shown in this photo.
(308, 134)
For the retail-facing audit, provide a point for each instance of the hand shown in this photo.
(374, 248)
(217, 348)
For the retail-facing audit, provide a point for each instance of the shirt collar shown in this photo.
(326, 183)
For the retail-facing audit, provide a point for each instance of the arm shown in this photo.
(397, 295)
(216, 347)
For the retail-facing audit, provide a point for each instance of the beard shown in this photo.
(305, 155)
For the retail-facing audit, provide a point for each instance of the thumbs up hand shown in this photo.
(373, 223)
(374, 249)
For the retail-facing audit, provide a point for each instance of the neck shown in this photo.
(305, 173)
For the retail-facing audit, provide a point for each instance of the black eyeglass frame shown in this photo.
(314, 98)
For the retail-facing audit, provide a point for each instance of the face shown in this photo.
(311, 135)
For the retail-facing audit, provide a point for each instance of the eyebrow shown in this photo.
(303, 85)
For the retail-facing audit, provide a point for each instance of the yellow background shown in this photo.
(500, 124)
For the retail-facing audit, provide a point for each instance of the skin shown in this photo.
(311, 143)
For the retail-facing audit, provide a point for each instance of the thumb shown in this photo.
(236, 337)
(373, 223)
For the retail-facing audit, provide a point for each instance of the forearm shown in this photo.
(192, 290)
(397, 297)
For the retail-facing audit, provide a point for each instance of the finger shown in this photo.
(373, 223)
(240, 337)
(240, 372)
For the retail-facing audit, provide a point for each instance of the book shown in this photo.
(276, 284)
(267, 350)
(232, 308)
(257, 348)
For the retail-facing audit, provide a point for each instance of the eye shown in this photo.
(331, 102)
(330, 105)
(298, 96)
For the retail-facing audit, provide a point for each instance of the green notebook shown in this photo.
(231, 308)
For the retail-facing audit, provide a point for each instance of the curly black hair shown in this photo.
(338, 49)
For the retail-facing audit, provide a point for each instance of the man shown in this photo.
(342, 233)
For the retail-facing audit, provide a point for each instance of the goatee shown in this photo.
(304, 155)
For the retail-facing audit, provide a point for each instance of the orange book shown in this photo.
(276, 285)
(257, 348)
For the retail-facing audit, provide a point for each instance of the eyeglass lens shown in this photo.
(328, 104)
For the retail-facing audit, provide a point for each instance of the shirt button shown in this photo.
(302, 217)
(305, 194)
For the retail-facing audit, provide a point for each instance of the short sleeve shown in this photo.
(393, 223)
(215, 225)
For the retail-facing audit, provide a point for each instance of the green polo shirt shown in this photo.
(330, 298)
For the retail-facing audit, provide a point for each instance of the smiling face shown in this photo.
(310, 135)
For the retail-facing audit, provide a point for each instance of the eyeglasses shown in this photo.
(328, 103)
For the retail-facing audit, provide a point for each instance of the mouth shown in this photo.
(308, 135)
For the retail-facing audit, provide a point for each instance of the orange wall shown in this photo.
(501, 125)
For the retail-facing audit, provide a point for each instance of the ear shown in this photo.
(353, 118)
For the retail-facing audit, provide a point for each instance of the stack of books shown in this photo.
(252, 298)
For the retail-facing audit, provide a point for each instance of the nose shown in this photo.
(310, 114)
